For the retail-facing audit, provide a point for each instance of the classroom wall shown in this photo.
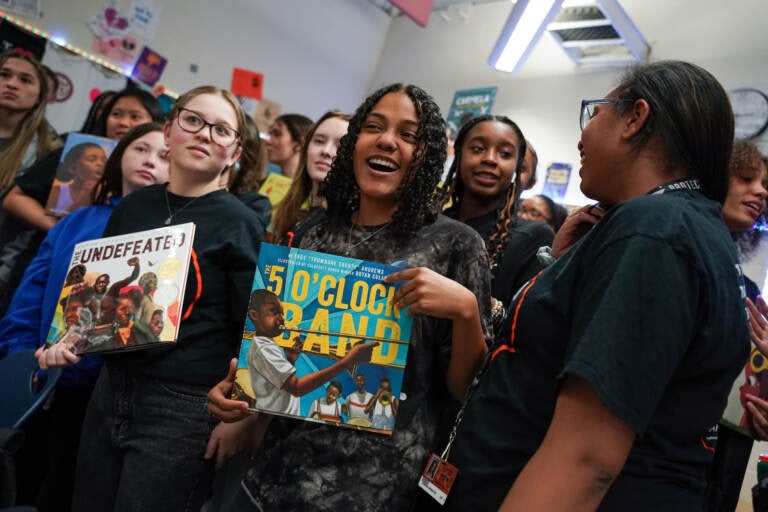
(314, 55)
(546, 105)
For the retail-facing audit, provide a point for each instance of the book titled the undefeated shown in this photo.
(81, 166)
(323, 340)
(124, 292)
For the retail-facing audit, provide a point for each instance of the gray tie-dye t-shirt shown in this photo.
(306, 466)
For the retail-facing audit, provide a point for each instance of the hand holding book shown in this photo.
(54, 356)
(219, 405)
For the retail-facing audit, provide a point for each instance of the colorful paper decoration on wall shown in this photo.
(417, 10)
(118, 35)
(149, 66)
(247, 84)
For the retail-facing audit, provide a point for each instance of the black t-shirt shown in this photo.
(226, 249)
(647, 309)
(518, 262)
(316, 467)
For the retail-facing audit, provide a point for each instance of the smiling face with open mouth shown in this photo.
(746, 198)
(489, 160)
(384, 150)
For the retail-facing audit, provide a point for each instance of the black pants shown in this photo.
(45, 465)
(726, 473)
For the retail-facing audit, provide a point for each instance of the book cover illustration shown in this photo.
(124, 292)
(81, 166)
(753, 381)
(323, 341)
(275, 187)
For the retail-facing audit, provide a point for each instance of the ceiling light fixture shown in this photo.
(526, 23)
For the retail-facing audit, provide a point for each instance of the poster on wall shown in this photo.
(28, 8)
(143, 17)
(266, 113)
(149, 66)
(468, 104)
(556, 181)
(247, 84)
(12, 36)
(86, 80)
(113, 36)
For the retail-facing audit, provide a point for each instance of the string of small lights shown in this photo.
(72, 48)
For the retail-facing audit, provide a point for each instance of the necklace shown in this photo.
(349, 243)
(168, 205)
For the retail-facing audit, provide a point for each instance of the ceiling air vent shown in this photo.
(598, 32)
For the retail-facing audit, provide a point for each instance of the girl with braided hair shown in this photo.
(484, 186)
(383, 205)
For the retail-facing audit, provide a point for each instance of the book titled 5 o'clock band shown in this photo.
(323, 340)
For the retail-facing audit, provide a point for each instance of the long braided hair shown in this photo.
(455, 191)
(418, 198)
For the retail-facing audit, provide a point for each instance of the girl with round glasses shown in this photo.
(155, 398)
(617, 363)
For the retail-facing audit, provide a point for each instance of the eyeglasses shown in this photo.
(190, 121)
(531, 214)
(588, 108)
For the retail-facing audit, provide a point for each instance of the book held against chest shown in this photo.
(124, 292)
(323, 340)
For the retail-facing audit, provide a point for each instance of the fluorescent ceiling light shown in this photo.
(522, 31)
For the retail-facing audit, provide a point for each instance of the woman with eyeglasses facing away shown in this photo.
(383, 206)
(622, 352)
(147, 424)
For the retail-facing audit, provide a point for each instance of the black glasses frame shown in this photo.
(209, 125)
(585, 117)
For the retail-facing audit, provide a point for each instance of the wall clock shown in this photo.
(750, 112)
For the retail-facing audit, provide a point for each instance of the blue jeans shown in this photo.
(142, 446)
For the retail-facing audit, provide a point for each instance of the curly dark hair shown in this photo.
(417, 196)
(507, 207)
(746, 155)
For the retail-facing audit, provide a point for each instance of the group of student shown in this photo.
(588, 384)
